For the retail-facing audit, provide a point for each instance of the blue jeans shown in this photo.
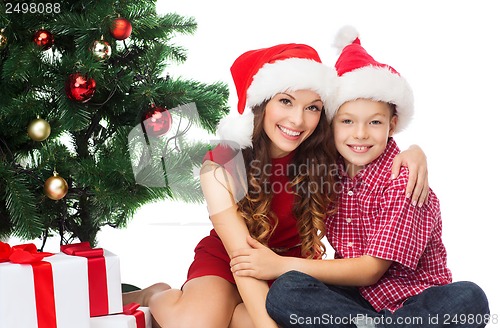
(299, 300)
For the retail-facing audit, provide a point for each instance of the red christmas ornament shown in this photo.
(121, 28)
(44, 39)
(80, 87)
(157, 121)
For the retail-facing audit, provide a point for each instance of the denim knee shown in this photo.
(472, 291)
(284, 287)
(293, 279)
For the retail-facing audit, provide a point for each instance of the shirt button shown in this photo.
(348, 220)
(350, 244)
(350, 193)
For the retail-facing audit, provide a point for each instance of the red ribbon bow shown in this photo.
(132, 309)
(5, 251)
(82, 249)
(42, 276)
(98, 284)
(21, 254)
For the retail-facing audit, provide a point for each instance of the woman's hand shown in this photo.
(418, 184)
(258, 262)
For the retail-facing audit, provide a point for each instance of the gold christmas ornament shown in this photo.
(39, 129)
(55, 187)
(3, 40)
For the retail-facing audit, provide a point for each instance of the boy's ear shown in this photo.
(392, 125)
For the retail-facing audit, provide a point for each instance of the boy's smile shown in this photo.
(361, 129)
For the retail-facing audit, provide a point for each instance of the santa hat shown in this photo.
(361, 76)
(260, 74)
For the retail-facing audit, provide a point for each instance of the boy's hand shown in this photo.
(418, 184)
(259, 262)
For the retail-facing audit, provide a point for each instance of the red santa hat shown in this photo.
(361, 76)
(260, 74)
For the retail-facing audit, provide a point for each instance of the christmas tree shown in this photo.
(93, 126)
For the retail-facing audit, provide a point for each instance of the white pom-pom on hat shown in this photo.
(345, 36)
(236, 130)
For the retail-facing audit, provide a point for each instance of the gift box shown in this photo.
(104, 280)
(133, 316)
(42, 290)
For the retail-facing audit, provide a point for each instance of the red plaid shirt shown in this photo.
(375, 218)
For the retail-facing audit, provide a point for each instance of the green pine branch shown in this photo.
(20, 204)
(90, 144)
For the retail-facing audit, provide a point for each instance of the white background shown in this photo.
(449, 53)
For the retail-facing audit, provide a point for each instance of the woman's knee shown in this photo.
(202, 303)
(169, 311)
(153, 290)
(162, 306)
(177, 315)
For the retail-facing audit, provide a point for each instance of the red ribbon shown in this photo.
(98, 285)
(5, 251)
(133, 309)
(42, 276)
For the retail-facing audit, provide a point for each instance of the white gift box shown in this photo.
(113, 282)
(17, 293)
(121, 320)
(113, 277)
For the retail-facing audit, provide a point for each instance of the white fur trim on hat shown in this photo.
(236, 130)
(380, 84)
(293, 74)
